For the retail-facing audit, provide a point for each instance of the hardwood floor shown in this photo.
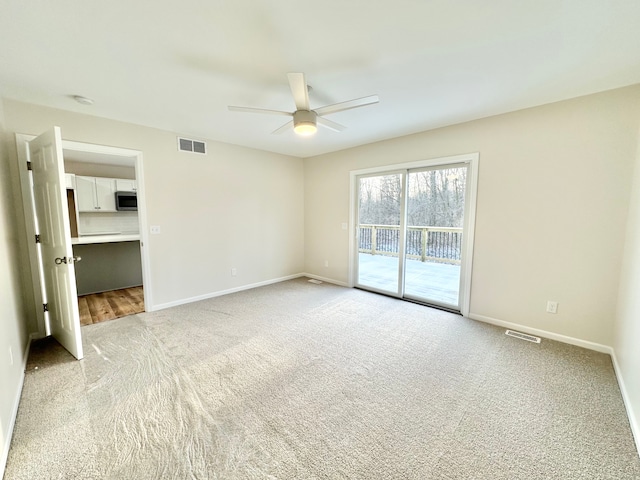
(100, 307)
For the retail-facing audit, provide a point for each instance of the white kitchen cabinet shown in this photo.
(85, 193)
(125, 185)
(105, 193)
(95, 194)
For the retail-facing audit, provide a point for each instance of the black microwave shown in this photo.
(126, 201)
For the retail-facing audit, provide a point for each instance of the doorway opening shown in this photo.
(109, 278)
(413, 231)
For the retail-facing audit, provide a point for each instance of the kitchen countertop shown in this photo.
(106, 238)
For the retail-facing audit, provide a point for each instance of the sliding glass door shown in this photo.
(435, 219)
(412, 230)
(380, 214)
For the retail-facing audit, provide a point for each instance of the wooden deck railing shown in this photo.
(424, 243)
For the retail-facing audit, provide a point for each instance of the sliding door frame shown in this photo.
(472, 160)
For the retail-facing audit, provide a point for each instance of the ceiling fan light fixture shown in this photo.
(304, 122)
(305, 128)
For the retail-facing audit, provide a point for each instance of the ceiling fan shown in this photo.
(305, 120)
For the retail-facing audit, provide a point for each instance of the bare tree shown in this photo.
(435, 198)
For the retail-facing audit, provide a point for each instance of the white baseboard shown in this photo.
(543, 333)
(16, 403)
(635, 427)
(325, 279)
(206, 296)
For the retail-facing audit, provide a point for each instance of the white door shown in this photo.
(47, 166)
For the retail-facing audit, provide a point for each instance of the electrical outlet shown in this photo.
(552, 307)
(326, 263)
(155, 229)
(344, 226)
(234, 272)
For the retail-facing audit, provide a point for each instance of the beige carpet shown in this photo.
(303, 381)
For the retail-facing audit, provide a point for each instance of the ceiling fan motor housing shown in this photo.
(304, 121)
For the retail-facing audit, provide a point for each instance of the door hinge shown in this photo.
(29, 166)
(37, 238)
(45, 307)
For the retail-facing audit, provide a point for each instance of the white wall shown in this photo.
(553, 195)
(14, 324)
(235, 207)
(627, 339)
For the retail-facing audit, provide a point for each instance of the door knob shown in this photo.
(67, 260)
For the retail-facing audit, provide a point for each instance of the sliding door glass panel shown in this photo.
(380, 209)
(435, 219)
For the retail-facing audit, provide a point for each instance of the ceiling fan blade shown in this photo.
(298, 85)
(342, 106)
(283, 128)
(336, 127)
(257, 110)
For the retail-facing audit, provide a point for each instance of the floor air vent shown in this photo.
(523, 336)
(313, 280)
(193, 146)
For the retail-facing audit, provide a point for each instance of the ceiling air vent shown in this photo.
(193, 146)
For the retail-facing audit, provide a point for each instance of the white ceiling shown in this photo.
(177, 65)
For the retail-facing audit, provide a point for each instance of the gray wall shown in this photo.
(107, 266)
